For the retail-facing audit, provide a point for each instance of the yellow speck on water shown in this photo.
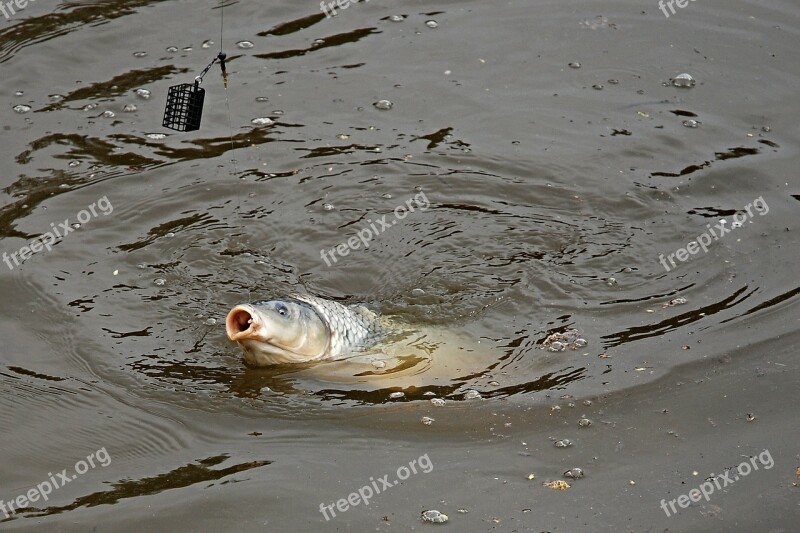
(557, 485)
(632, 482)
(533, 476)
(694, 472)
(482, 60)
(116, 272)
(642, 114)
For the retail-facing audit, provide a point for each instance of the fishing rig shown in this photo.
(184, 107)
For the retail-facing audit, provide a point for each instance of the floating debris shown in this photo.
(574, 64)
(160, 281)
(207, 44)
(143, 93)
(427, 420)
(89, 107)
(674, 301)
(438, 402)
(109, 114)
(597, 87)
(140, 54)
(433, 516)
(472, 395)
(584, 422)
(558, 342)
(397, 18)
(574, 473)
(397, 395)
(21, 108)
(129, 108)
(379, 364)
(211, 322)
(327, 207)
(383, 105)
(244, 45)
(262, 121)
(599, 22)
(558, 484)
(172, 49)
(750, 417)
(156, 136)
(691, 123)
(531, 476)
(563, 443)
(431, 24)
(684, 80)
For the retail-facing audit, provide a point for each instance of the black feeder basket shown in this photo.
(184, 107)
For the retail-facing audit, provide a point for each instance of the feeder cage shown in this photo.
(184, 107)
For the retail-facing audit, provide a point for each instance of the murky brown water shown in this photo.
(553, 192)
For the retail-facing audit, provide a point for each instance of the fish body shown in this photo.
(301, 328)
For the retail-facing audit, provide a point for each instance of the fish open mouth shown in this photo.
(241, 323)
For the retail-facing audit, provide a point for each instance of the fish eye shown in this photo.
(282, 309)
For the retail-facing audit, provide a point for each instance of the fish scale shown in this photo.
(350, 327)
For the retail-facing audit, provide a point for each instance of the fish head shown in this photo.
(278, 331)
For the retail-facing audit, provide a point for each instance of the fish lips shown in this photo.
(242, 323)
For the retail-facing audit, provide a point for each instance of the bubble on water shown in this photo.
(613, 82)
(172, 49)
(584, 422)
(691, 123)
(342, 136)
(379, 364)
(21, 108)
(56, 97)
(140, 54)
(557, 346)
(563, 443)
(89, 107)
(160, 281)
(574, 64)
(427, 420)
(207, 44)
(109, 114)
(129, 108)
(143, 93)
(438, 402)
(597, 87)
(684, 80)
(472, 395)
(244, 45)
(19, 93)
(574, 473)
(262, 98)
(169, 234)
(433, 516)
(156, 136)
(397, 18)
(766, 129)
(494, 383)
(431, 24)
(74, 163)
(327, 207)
(262, 121)
(397, 395)
(611, 282)
(383, 105)
(580, 343)
(417, 292)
